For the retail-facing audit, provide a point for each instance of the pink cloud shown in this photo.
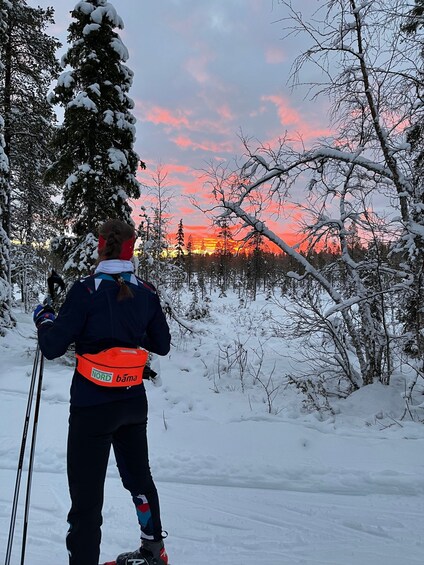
(275, 56)
(182, 119)
(198, 73)
(184, 142)
(158, 115)
(287, 115)
(197, 68)
(181, 179)
(173, 168)
(258, 112)
(191, 188)
(188, 211)
(293, 121)
(225, 112)
(212, 126)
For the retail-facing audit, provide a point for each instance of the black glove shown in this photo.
(148, 373)
(43, 315)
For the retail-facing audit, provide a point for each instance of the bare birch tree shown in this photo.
(371, 74)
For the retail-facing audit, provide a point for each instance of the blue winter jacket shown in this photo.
(93, 319)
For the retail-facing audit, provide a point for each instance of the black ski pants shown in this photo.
(92, 432)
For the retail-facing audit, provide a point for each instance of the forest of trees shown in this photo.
(357, 279)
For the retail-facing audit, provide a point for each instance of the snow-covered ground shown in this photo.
(237, 485)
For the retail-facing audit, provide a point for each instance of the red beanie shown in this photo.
(127, 249)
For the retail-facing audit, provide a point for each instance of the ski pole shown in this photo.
(31, 458)
(21, 457)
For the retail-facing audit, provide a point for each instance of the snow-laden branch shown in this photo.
(166, 299)
(271, 236)
(358, 299)
(313, 159)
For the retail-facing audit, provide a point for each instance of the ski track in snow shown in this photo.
(236, 484)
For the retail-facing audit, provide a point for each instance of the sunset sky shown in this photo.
(205, 70)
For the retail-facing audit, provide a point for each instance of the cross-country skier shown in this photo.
(110, 316)
(55, 282)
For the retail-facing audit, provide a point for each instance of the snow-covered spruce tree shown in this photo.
(179, 275)
(29, 67)
(412, 244)
(371, 76)
(414, 28)
(95, 164)
(6, 318)
(223, 254)
(180, 244)
(188, 260)
(255, 262)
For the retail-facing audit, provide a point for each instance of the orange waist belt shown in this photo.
(114, 367)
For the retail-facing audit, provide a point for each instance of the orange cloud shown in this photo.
(206, 239)
(200, 228)
(204, 236)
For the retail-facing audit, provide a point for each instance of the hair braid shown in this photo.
(115, 232)
(124, 290)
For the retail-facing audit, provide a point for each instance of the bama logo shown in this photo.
(101, 375)
(126, 378)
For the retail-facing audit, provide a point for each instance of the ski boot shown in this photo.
(150, 553)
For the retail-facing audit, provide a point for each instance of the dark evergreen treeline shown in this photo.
(253, 267)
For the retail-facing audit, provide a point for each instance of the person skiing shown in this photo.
(114, 318)
(55, 282)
